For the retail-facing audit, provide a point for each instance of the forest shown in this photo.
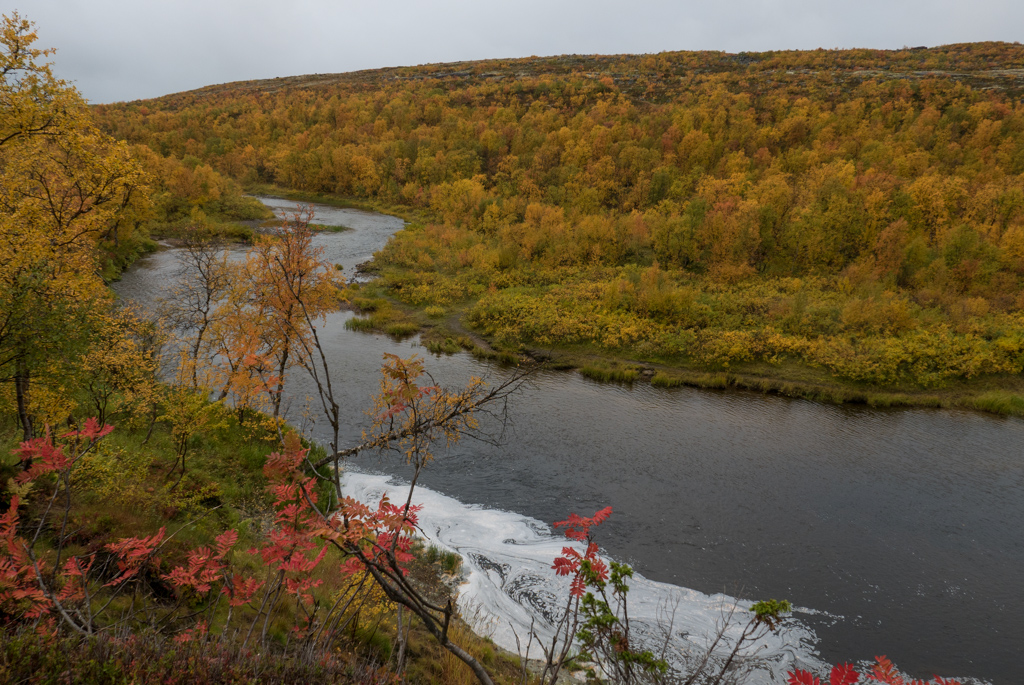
(843, 217)
(856, 213)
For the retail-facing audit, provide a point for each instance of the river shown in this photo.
(898, 532)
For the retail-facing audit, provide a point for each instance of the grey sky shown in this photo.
(128, 49)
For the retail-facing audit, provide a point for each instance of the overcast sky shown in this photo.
(129, 49)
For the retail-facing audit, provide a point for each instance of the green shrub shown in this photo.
(665, 380)
(617, 374)
(1000, 402)
(450, 562)
(357, 323)
(401, 329)
(447, 346)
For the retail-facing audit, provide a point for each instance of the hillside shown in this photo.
(992, 66)
(842, 223)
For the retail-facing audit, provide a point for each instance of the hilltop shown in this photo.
(658, 77)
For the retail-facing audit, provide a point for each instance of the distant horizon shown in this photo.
(549, 56)
(116, 50)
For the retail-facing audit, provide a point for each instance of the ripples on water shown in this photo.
(510, 585)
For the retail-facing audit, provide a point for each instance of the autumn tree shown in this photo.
(241, 323)
(63, 187)
(286, 286)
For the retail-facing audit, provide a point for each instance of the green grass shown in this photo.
(383, 317)
(449, 562)
(397, 329)
(666, 380)
(363, 325)
(448, 345)
(610, 373)
(401, 329)
(507, 358)
(1000, 402)
(502, 357)
(329, 229)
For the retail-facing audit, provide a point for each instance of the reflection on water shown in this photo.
(904, 528)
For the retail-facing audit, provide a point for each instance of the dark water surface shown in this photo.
(903, 528)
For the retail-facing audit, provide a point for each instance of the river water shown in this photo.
(898, 532)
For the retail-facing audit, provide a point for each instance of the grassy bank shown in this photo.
(444, 331)
(1004, 396)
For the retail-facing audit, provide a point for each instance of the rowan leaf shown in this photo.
(800, 677)
(843, 674)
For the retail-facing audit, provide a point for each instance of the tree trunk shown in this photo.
(21, 385)
(280, 380)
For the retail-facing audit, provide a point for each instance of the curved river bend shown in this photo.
(903, 530)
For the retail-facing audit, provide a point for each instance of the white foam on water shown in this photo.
(510, 585)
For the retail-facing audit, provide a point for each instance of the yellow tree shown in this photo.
(63, 187)
(118, 370)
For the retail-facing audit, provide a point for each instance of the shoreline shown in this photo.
(1001, 396)
(997, 395)
(409, 215)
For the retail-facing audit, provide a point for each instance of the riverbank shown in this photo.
(1002, 395)
(408, 214)
(445, 331)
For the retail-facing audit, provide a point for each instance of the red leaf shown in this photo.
(563, 566)
(601, 516)
(799, 677)
(843, 674)
(225, 541)
(885, 672)
(241, 593)
(133, 553)
(91, 430)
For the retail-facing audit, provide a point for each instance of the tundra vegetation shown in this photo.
(175, 529)
(845, 223)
